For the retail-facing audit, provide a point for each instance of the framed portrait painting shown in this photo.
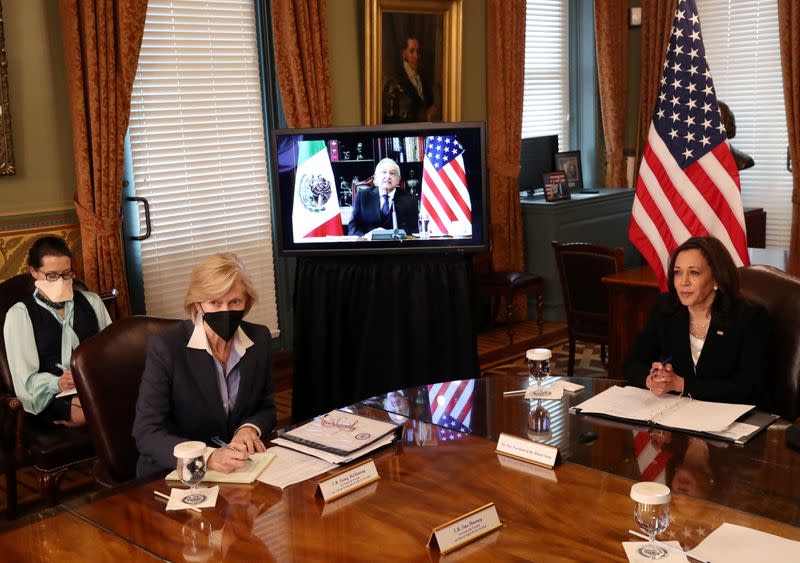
(412, 61)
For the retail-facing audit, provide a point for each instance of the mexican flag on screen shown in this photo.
(316, 202)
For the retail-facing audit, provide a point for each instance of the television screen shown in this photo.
(406, 188)
(537, 157)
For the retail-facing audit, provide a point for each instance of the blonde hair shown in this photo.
(214, 277)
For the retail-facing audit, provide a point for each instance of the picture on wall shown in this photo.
(412, 61)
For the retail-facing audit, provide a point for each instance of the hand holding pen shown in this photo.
(662, 379)
(65, 381)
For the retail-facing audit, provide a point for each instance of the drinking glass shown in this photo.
(651, 514)
(191, 468)
(539, 368)
(424, 223)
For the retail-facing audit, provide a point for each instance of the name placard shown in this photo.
(347, 480)
(526, 450)
(465, 529)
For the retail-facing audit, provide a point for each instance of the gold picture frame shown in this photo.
(438, 23)
(7, 165)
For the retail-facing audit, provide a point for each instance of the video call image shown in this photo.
(364, 187)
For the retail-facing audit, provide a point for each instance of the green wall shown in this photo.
(40, 118)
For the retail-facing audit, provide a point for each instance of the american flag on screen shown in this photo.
(451, 407)
(445, 198)
(688, 182)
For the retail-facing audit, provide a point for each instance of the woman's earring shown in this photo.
(715, 288)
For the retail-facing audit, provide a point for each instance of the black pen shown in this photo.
(218, 441)
(664, 362)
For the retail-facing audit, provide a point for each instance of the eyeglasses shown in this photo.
(53, 276)
(341, 423)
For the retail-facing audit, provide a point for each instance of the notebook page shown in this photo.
(703, 416)
(632, 403)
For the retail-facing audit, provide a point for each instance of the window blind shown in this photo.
(743, 53)
(198, 149)
(545, 107)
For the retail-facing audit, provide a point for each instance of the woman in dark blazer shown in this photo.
(209, 376)
(702, 338)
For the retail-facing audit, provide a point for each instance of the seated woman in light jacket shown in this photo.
(42, 330)
(209, 376)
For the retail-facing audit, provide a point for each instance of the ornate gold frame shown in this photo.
(6, 147)
(451, 11)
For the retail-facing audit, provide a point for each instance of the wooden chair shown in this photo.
(581, 266)
(108, 370)
(506, 285)
(779, 293)
(26, 441)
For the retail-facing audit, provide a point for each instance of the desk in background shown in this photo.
(600, 218)
(630, 297)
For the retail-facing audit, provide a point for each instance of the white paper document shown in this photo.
(736, 544)
(290, 467)
(672, 411)
(67, 393)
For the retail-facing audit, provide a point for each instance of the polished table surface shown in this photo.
(580, 511)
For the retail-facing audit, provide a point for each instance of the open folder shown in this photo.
(246, 474)
(676, 412)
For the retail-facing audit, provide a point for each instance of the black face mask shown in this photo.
(224, 323)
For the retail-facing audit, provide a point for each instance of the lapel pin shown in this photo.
(720, 333)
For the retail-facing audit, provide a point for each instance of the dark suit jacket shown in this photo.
(733, 363)
(402, 103)
(367, 212)
(179, 397)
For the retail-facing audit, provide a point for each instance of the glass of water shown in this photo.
(651, 514)
(424, 224)
(539, 368)
(191, 468)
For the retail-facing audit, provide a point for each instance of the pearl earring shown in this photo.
(715, 288)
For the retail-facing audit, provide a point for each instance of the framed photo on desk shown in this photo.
(555, 186)
(570, 163)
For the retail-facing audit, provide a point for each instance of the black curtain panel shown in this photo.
(366, 325)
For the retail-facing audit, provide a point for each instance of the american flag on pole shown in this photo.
(451, 407)
(688, 182)
(445, 198)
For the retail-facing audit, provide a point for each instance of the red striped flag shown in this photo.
(451, 403)
(445, 198)
(688, 182)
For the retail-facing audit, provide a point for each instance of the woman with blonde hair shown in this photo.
(209, 376)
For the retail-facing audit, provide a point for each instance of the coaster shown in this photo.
(632, 551)
(177, 496)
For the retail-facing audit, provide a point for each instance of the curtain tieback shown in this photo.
(102, 226)
(499, 165)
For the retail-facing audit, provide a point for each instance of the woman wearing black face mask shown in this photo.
(209, 376)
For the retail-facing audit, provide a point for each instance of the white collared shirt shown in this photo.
(415, 79)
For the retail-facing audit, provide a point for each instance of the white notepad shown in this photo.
(247, 474)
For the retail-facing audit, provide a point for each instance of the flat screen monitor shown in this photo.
(537, 157)
(380, 189)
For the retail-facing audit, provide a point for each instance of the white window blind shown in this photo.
(743, 52)
(545, 107)
(198, 149)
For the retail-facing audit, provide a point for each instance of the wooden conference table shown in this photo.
(580, 511)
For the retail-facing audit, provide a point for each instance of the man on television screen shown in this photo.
(374, 207)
